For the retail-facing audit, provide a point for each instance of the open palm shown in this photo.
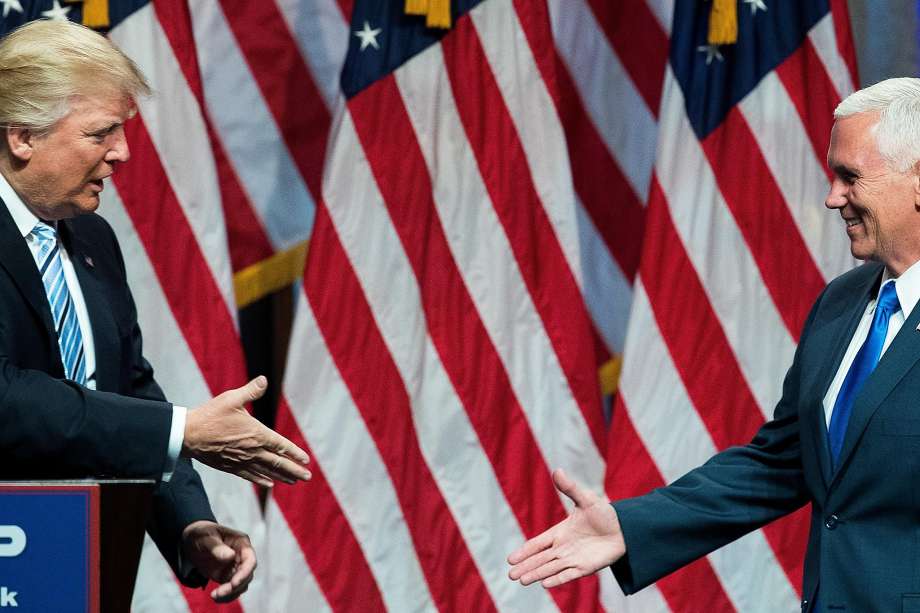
(586, 541)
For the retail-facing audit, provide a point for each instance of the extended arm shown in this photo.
(646, 538)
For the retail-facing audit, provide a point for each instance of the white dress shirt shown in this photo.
(908, 291)
(25, 221)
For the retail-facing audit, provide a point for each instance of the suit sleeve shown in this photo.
(735, 492)
(54, 428)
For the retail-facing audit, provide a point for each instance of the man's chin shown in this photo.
(85, 206)
(861, 251)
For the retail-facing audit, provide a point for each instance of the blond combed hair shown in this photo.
(43, 64)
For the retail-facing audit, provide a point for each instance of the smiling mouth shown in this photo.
(852, 221)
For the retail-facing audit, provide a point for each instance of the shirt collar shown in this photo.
(24, 219)
(907, 287)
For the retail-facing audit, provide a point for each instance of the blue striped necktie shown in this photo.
(70, 339)
(863, 365)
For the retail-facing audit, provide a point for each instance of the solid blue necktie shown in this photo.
(863, 365)
(70, 339)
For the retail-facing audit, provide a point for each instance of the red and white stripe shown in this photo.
(464, 367)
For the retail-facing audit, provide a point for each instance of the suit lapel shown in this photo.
(832, 337)
(900, 357)
(19, 263)
(105, 331)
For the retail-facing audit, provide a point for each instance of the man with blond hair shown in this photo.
(845, 436)
(77, 397)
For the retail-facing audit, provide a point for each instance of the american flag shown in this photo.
(471, 276)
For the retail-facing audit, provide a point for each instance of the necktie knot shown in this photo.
(44, 233)
(888, 300)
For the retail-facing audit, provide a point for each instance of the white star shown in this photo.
(756, 5)
(11, 4)
(57, 12)
(368, 36)
(711, 51)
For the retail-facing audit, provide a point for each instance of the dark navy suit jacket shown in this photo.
(53, 428)
(864, 545)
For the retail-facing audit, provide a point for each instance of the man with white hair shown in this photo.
(845, 436)
(77, 397)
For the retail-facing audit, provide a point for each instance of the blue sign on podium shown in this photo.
(49, 547)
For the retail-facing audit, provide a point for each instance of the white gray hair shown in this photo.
(43, 64)
(897, 132)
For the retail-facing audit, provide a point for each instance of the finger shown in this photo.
(261, 466)
(531, 547)
(565, 576)
(246, 567)
(285, 448)
(545, 571)
(283, 466)
(528, 564)
(251, 474)
(207, 539)
(272, 463)
(272, 475)
(223, 558)
(226, 592)
(580, 497)
(253, 390)
(223, 552)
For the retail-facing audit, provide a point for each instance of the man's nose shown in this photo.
(119, 151)
(836, 196)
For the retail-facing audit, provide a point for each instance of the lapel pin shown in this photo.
(89, 262)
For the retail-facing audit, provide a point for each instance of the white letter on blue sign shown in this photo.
(12, 541)
(7, 598)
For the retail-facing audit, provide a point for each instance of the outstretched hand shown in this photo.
(223, 435)
(586, 541)
(221, 554)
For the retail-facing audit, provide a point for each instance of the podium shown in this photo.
(71, 545)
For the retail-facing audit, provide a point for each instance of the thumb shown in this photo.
(570, 488)
(223, 552)
(253, 390)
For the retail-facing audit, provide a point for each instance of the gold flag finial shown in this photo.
(95, 13)
(436, 12)
(723, 22)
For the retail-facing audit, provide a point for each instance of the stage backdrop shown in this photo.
(491, 201)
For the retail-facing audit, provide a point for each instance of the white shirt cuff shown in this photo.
(176, 436)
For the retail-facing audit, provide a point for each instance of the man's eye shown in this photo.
(848, 178)
(100, 136)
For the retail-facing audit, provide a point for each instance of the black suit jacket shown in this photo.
(53, 428)
(864, 546)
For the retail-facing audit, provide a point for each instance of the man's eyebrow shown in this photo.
(843, 170)
(104, 129)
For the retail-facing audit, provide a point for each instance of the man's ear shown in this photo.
(19, 141)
